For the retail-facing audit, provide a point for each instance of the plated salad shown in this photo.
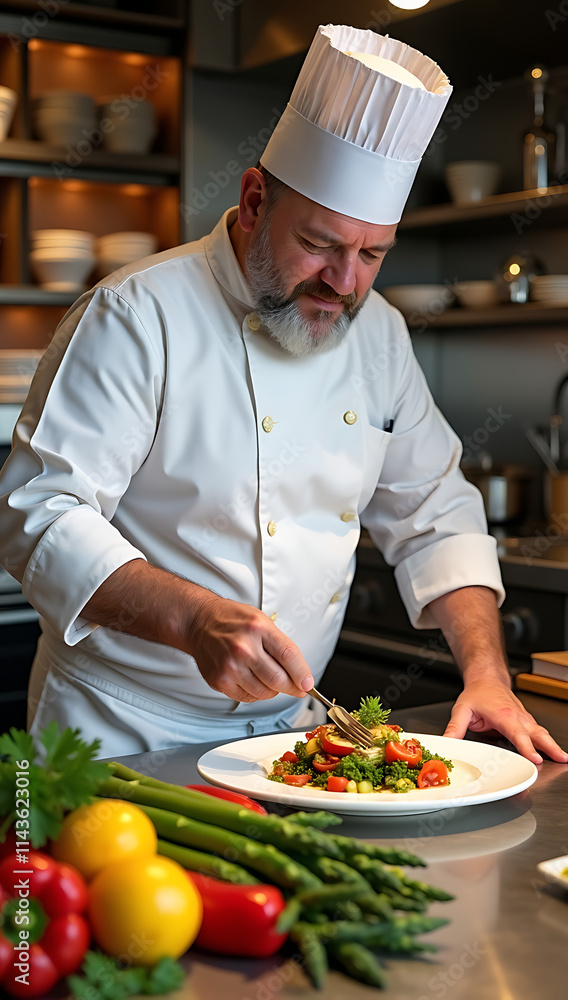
(330, 761)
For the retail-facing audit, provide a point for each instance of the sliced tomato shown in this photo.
(226, 793)
(310, 736)
(408, 751)
(337, 784)
(338, 748)
(296, 779)
(289, 756)
(329, 764)
(433, 772)
(397, 729)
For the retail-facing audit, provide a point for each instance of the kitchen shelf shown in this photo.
(33, 295)
(530, 205)
(31, 158)
(114, 15)
(505, 315)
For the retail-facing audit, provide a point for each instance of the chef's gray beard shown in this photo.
(281, 315)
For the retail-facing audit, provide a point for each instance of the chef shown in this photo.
(211, 427)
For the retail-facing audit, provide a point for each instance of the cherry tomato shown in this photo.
(408, 751)
(94, 836)
(329, 764)
(229, 796)
(42, 975)
(296, 779)
(310, 736)
(336, 784)
(433, 772)
(289, 756)
(330, 745)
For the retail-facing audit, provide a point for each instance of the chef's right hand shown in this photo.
(242, 653)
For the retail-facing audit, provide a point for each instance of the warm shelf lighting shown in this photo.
(409, 4)
(76, 51)
(135, 58)
(134, 189)
(75, 187)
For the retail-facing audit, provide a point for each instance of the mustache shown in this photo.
(323, 291)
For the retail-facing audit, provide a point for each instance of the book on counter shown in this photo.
(554, 664)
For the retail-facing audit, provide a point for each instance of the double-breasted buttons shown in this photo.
(350, 417)
(271, 528)
(268, 424)
(348, 515)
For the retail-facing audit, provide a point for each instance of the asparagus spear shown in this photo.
(318, 819)
(359, 962)
(206, 864)
(264, 858)
(269, 829)
(349, 846)
(313, 953)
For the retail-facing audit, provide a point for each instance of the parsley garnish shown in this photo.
(67, 778)
(371, 713)
(105, 979)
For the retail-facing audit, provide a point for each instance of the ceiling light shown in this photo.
(409, 4)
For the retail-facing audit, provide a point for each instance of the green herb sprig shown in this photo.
(371, 713)
(105, 979)
(66, 778)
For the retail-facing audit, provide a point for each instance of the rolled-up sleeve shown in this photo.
(85, 429)
(425, 518)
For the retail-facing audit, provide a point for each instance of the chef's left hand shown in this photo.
(485, 705)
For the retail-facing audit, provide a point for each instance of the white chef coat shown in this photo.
(165, 423)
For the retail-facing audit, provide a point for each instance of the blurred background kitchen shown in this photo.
(125, 126)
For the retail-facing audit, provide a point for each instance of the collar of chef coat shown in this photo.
(224, 264)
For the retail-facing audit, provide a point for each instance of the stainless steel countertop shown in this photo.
(508, 934)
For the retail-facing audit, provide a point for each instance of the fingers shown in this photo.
(459, 722)
(532, 737)
(286, 653)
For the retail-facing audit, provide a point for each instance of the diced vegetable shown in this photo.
(296, 779)
(289, 756)
(364, 787)
(408, 751)
(433, 772)
(337, 746)
(336, 784)
(351, 786)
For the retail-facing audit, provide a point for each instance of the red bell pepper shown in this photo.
(226, 793)
(44, 935)
(238, 919)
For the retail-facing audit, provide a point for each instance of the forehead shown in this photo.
(313, 220)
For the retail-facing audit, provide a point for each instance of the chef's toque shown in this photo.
(360, 117)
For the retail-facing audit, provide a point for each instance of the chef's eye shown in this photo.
(313, 247)
(371, 258)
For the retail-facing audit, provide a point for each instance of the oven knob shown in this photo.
(519, 625)
(367, 598)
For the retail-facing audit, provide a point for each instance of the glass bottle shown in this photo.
(538, 141)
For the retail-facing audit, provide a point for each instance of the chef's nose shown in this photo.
(341, 274)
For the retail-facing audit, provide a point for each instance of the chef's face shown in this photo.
(311, 269)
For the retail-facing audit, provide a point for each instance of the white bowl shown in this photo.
(426, 299)
(63, 133)
(472, 180)
(129, 140)
(141, 110)
(62, 273)
(8, 99)
(477, 294)
(63, 98)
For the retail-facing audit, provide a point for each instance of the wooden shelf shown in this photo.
(499, 207)
(33, 295)
(31, 158)
(113, 15)
(505, 315)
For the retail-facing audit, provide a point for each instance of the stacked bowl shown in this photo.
(550, 289)
(117, 249)
(62, 259)
(471, 180)
(417, 301)
(61, 117)
(8, 100)
(131, 125)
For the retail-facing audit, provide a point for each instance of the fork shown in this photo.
(346, 724)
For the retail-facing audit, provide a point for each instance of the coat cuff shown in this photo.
(452, 563)
(74, 556)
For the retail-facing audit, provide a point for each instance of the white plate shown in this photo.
(481, 773)
(552, 870)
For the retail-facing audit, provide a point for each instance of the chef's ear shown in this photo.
(253, 193)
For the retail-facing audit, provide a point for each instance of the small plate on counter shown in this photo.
(555, 870)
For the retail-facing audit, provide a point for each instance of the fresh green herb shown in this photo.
(371, 712)
(67, 778)
(105, 979)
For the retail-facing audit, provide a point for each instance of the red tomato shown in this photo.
(65, 941)
(225, 793)
(408, 751)
(296, 779)
(329, 764)
(433, 772)
(330, 746)
(397, 729)
(42, 975)
(336, 784)
(310, 736)
(6, 954)
(9, 845)
(289, 756)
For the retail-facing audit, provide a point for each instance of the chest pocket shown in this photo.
(375, 446)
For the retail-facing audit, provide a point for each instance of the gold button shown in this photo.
(348, 516)
(271, 528)
(267, 424)
(334, 599)
(253, 321)
(350, 417)
(274, 616)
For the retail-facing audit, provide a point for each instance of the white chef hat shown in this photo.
(360, 117)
